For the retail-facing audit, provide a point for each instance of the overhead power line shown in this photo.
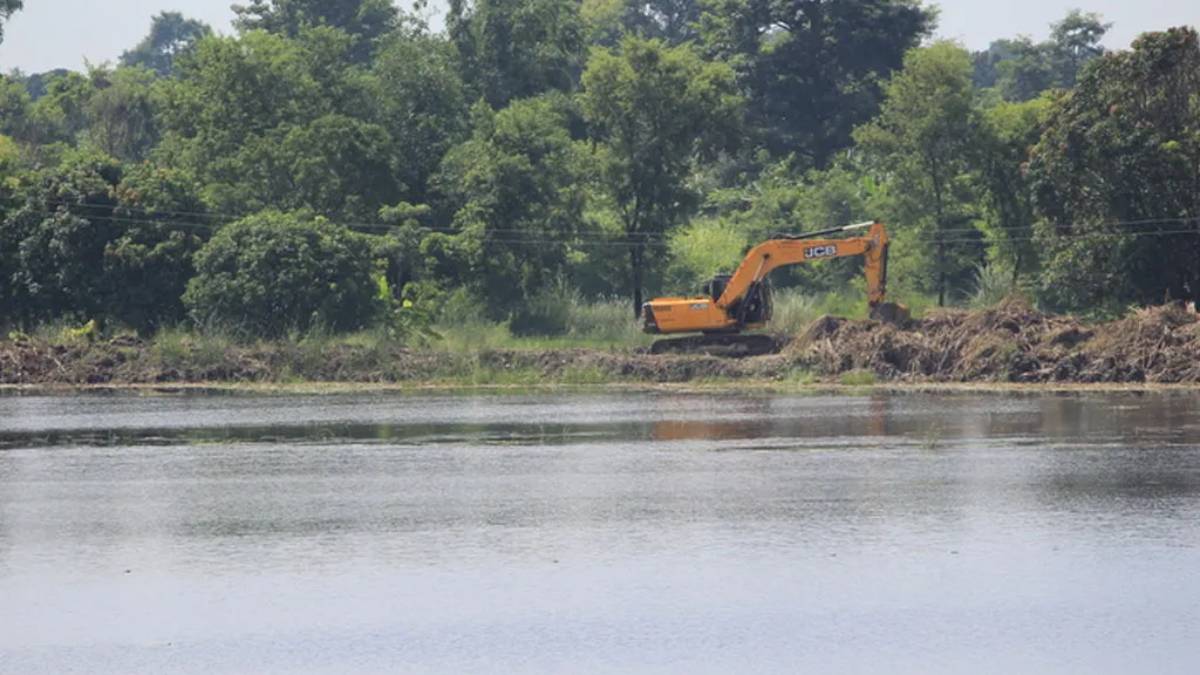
(595, 239)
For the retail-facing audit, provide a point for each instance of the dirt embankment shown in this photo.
(1011, 343)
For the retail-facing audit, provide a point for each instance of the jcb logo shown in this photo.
(820, 252)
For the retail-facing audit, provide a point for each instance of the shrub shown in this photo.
(702, 249)
(545, 314)
(272, 273)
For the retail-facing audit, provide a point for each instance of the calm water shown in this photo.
(600, 533)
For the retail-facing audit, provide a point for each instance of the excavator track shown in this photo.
(734, 346)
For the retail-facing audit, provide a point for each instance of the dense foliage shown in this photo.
(334, 165)
(271, 273)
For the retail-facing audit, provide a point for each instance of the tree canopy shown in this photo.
(365, 21)
(338, 165)
(653, 108)
(7, 9)
(812, 71)
(171, 35)
(1117, 173)
(923, 139)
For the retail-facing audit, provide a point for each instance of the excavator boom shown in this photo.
(743, 301)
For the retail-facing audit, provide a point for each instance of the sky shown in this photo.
(51, 34)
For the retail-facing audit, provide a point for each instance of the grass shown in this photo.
(601, 324)
(181, 349)
(992, 286)
(468, 352)
(795, 310)
(859, 378)
(801, 377)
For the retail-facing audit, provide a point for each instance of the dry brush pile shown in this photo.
(1010, 343)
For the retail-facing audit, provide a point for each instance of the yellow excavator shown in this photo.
(734, 304)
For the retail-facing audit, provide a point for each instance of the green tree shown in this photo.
(171, 35)
(366, 21)
(673, 21)
(60, 116)
(271, 273)
(1022, 69)
(148, 264)
(56, 269)
(1075, 42)
(7, 9)
(1029, 71)
(15, 104)
(1117, 178)
(514, 49)
(1009, 132)
(9, 261)
(702, 248)
(813, 70)
(91, 241)
(422, 106)
(922, 143)
(267, 122)
(653, 109)
(122, 113)
(517, 187)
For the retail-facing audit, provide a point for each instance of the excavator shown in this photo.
(733, 304)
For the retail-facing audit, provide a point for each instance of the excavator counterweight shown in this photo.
(733, 305)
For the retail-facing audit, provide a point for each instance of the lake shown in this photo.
(600, 532)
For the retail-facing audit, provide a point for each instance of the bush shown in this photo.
(92, 240)
(545, 314)
(272, 273)
(702, 249)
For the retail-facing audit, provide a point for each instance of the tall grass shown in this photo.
(795, 310)
(182, 348)
(464, 329)
(560, 318)
(992, 286)
(604, 320)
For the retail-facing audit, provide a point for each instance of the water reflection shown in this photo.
(113, 421)
(548, 533)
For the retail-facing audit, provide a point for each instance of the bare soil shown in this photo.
(1011, 343)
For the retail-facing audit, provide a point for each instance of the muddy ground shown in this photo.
(1009, 344)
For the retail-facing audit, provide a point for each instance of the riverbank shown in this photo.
(1007, 345)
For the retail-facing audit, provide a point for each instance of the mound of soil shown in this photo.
(1010, 343)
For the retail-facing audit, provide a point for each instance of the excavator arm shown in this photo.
(744, 304)
(771, 255)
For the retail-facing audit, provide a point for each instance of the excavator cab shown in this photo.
(758, 308)
(716, 288)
